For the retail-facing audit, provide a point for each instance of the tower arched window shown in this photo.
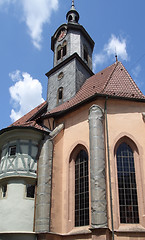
(60, 95)
(64, 48)
(81, 189)
(58, 52)
(70, 18)
(128, 201)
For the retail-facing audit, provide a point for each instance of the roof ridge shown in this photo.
(128, 81)
(116, 64)
(132, 81)
(34, 116)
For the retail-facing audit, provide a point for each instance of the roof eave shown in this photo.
(22, 127)
(38, 112)
(73, 56)
(88, 100)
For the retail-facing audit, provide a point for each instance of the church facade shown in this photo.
(73, 167)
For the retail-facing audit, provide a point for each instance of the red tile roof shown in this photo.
(29, 119)
(112, 81)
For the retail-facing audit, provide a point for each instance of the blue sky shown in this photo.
(26, 27)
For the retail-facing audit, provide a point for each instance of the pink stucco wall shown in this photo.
(124, 119)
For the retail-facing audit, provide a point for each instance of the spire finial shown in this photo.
(72, 3)
(116, 55)
(116, 58)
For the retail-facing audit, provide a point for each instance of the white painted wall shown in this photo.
(16, 211)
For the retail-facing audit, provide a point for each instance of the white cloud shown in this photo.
(115, 45)
(25, 94)
(15, 76)
(35, 13)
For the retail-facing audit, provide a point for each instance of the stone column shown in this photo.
(43, 198)
(97, 168)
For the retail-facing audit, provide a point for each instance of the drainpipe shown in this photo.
(109, 170)
(44, 187)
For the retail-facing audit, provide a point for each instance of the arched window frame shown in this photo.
(138, 162)
(127, 186)
(60, 95)
(64, 48)
(61, 50)
(70, 18)
(58, 52)
(81, 189)
(71, 184)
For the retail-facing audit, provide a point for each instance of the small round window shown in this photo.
(60, 75)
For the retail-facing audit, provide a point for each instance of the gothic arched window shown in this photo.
(81, 189)
(128, 202)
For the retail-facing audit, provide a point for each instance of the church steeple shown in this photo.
(72, 47)
(72, 15)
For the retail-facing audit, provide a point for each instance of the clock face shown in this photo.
(62, 35)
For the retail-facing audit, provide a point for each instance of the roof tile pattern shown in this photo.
(112, 81)
(29, 119)
(121, 84)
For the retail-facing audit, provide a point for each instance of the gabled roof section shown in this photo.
(113, 81)
(121, 84)
(30, 119)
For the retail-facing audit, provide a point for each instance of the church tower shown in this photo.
(72, 47)
(76, 170)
